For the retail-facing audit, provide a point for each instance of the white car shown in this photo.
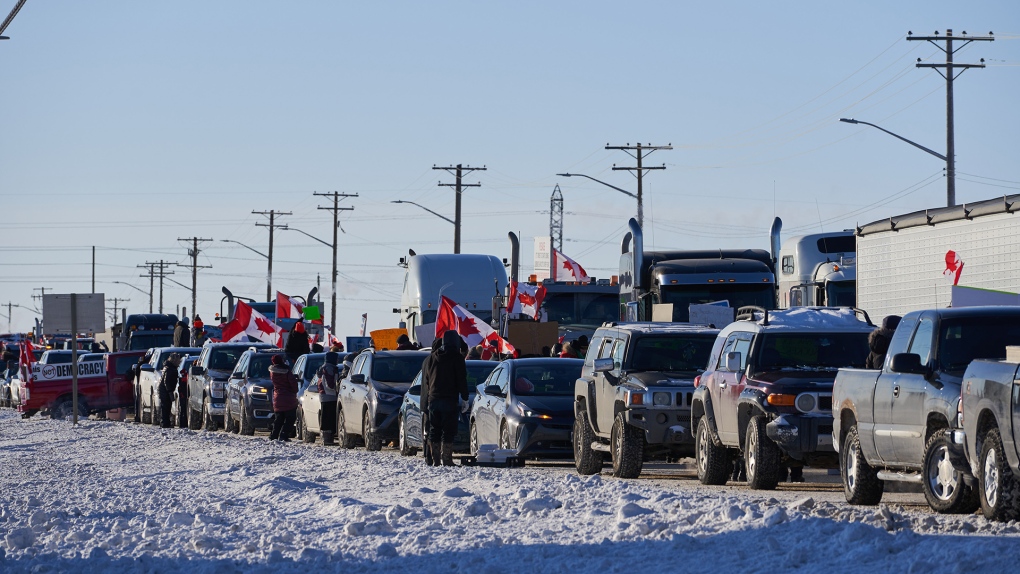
(148, 382)
(308, 396)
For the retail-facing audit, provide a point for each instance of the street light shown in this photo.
(950, 170)
(640, 209)
(131, 286)
(245, 246)
(288, 228)
(456, 246)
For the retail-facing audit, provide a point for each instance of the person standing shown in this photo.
(444, 379)
(297, 343)
(329, 377)
(878, 342)
(404, 343)
(285, 388)
(198, 334)
(182, 334)
(167, 383)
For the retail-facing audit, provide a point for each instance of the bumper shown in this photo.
(261, 413)
(798, 435)
(958, 451)
(217, 409)
(667, 427)
(544, 438)
(386, 416)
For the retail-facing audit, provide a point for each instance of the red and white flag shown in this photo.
(288, 307)
(525, 299)
(26, 360)
(329, 339)
(566, 269)
(248, 321)
(954, 266)
(474, 331)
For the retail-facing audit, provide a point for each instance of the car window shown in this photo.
(504, 380)
(396, 369)
(224, 359)
(606, 350)
(476, 373)
(311, 365)
(921, 343)
(593, 350)
(359, 365)
(241, 364)
(259, 363)
(417, 381)
(743, 346)
(493, 378)
(123, 364)
(549, 379)
(619, 350)
(727, 347)
(963, 339)
(688, 352)
(298, 367)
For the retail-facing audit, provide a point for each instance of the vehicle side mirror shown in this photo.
(148, 368)
(414, 391)
(197, 370)
(907, 363)
(494, 391)
(237, 375)
(603, 365)
(358, 379)
(733, 361)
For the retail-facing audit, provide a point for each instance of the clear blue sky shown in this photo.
(128, 124)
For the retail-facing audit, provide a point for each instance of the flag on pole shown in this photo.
(525, 299)
(329, 339)
(566, 269)
(364, 323)
(27, 357)
(474, 331)
(954, 266)
(248, 321)
(288, 307)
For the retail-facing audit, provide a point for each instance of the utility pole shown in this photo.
(272, 213)
(949, 76)
(458, 171)
(42, 293)
(336, 209)
(193, 253)
(162, 275)
(10, 310)
(639, 152)
(93, 268)
(556, 219)
(116, 302)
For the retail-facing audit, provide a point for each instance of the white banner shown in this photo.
(58, 372)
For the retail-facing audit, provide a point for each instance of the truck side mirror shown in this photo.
(907, 363)
(733, 361)
(603, 365)
(197, 370)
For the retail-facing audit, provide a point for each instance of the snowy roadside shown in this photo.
(110, 495)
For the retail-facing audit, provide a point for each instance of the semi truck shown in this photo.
(951, 256)
(741, 277)
(818, 270)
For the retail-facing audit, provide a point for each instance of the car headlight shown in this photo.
(806, 402)
(526, 412)
(636, 399)
(661, 399)
(258, 389)
(387, 397)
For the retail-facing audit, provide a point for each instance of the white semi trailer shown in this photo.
(818, 269)
(912, 261)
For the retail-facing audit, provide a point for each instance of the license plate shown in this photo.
(825, 440)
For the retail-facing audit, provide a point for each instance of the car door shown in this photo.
(412, 412)
(499, 404)
(882, 400)
(149, 380)
(908, 396)
(347, 388)
(605, 383)
(234, 387)
(486, 422)
(727, 386)
(359, 396)
(196, 394)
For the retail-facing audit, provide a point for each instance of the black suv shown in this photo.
(633, 399)
(250, 393)
(207, 382)
(370, 396)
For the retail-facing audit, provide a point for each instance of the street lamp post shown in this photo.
(950, 173)
(640, 207)
(456, 224)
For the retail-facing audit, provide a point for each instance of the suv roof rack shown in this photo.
(747, 313)
(859, 312)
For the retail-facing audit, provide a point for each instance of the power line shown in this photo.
(458, 171)
(639, 152)
(336, 209)
(272, 213)
(193, 253)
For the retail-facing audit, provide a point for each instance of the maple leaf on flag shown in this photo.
(468, 327)
(263, 324)
(527, 299)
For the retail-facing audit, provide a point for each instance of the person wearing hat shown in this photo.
(404, 343)
(297, 343)
(198, 334)
(182, 334)
(167, 383)
(328, 377)
(444, 380)
(285, 402)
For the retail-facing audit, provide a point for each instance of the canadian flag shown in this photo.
(954, 266)
(288, 307)
(26, 361)
(474, 331)
(248, 321)
(525, 299)
(566, 269)
(330, 339)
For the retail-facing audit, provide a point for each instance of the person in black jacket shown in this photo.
(444, 378)
(182, 333)
(297, 343)
(878, 342)
(167, 383)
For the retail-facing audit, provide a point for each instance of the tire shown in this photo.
(628, 448)
(146, 417)
(228, 422)
(64, 409)
(155, 417)
(209, 423)
(194, 418)
(405, 448)
(713, 461)
(472, 439)
(302, 433)
(504, 437)
(762, 457)
(860, 481)
(344, 438)
(943, 485)
(586, 460)
(1000, 490)
(372, 440)
(247, 427)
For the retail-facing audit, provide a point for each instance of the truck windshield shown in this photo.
(841, 294)
(811, 351)
(672, 353)
(738, 294)
(142, 340)
(587, 309)
(963, 339)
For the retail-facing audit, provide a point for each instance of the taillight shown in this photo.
(697, 381)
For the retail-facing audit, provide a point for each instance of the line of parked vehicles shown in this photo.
(767, 395)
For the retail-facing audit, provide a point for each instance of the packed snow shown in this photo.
(108, 496)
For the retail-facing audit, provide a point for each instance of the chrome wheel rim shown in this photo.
(851, 468)
(473, 437)
(702, 448)
(400, 435)
(991, 476)
(942, 478)
(504, 437)
(752, 447)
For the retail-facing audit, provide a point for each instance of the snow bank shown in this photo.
(114, 496)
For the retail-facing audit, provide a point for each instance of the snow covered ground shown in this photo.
(111, 496)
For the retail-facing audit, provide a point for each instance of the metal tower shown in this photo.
(556, 219)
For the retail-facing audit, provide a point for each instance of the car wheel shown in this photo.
(210, 422)
(860, 481)
(155, 417)
(1000, 488)
(762, 457)
(146, 416)
(372, 440)
(944, 487)
(473, 439)
(505, 442)
(713, 462)
(64, 409)
(628, 446)
(346, 439)
(194, 418)
(586, 459)
(405, 448)
(247, 425)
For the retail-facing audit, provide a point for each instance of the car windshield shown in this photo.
(396, 369)
(588, 309)
(164, 356)
(811, 351)
(672, 353)
(258, 365)
(225, 359)
(478, 372)
(547, 380)
(961, 340)
(738, 295)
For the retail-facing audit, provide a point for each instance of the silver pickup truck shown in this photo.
(897, 423)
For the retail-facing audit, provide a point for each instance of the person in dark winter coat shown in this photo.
(444, 379)
(285, 388)
(167, 383)
(297, 343)
(879, 340)
(328, 381)
(404, 343)
(182, 334)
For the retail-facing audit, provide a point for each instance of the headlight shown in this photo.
(387, 397)
(806, 402)
(216, 389)
(526, 412)
(258, 389)
(636, 399)
(661, 399)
